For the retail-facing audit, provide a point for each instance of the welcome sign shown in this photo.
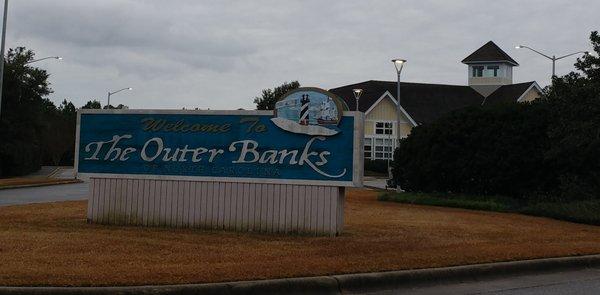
(314, 145)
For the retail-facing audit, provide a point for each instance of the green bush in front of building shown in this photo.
(548, 150)
(489, 151)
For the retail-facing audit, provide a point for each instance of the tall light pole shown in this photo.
(40, 59)
(2, 52)
(398, 64)
(357, 92)
(114, 92)
(552, 58)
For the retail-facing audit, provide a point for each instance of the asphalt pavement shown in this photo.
(576, 282)
(42, 194)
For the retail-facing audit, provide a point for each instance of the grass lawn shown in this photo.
(576, 211)
(51, 244)
(32, 181)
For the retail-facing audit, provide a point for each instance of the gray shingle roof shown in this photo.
(423, 102)
(427, 102)
(489, 52)
(508, 93)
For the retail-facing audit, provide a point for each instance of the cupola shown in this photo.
(489, 68)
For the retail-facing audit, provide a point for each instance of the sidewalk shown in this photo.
(374, 182)
(47, 175)
(45, 171)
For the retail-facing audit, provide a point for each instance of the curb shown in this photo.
(378, 188)
(66, 181)
(338, 284)
(409, 278)
(373, 187)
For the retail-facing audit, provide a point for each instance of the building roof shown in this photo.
(508, 93)
(489, 52)
(423, 102)
(427, 102)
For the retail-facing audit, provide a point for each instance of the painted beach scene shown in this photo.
(308, 112)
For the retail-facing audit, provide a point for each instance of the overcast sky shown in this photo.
(220, 54)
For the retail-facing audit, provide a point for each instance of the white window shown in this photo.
(368, 148)
(380, 149)
(384, 128)
(477, 71)
(492, 71)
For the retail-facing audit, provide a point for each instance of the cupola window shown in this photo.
(493, 71)
(477, 71)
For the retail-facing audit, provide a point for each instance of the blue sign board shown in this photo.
(240, 146)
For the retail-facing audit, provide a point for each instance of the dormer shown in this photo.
(489, 67)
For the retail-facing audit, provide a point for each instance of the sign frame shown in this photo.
(357, 150)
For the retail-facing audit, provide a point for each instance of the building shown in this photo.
(489, 81)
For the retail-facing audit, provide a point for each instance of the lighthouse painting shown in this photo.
(304, 104)
(310, 111)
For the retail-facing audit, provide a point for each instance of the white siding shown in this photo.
(276, 208)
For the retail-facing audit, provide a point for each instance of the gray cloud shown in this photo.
(220, 54)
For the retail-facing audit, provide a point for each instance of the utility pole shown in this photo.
(552, 58)
(2, 52)
(111, 93)
(398, 63)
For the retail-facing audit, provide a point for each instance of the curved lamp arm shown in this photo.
(126, 88)
(49, 57)
(523, 46)
(584, 52)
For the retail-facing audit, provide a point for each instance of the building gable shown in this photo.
(532, 93)
(384, 109)
(514, 93)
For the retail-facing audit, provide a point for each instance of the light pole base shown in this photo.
(399, 190)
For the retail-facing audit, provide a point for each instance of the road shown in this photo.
(584, 282)
(41, 194)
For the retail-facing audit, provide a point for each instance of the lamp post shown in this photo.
(552, 58)
(357, 92)
(2, 51)
(398, 64)
(40, 59)
(114, 92)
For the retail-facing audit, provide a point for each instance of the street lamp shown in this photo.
(357, 92)
(399, 64)
(552, 58)
(49, 57)
(111, 93)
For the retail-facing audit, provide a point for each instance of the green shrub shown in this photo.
(582, 211)
(478, 151)
(548, 150)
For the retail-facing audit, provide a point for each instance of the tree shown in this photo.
(92, 104)
(111, 107)
(270, 96)
(548, 148)
(23, 108)
(57, 138)
(585, 83)
(33, 130)
(575, 130)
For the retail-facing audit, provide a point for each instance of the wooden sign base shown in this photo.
(270, 208)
